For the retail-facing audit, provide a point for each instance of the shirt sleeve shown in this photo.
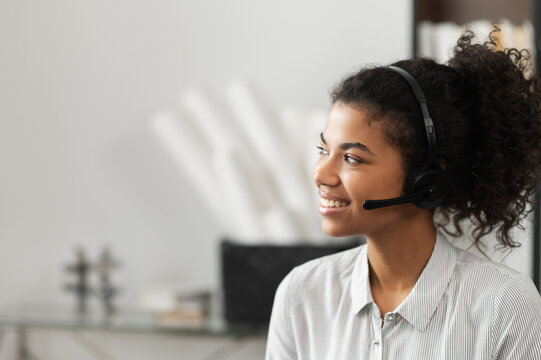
(280, 340)
(516, 321)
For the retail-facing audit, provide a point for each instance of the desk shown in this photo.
(48, 333)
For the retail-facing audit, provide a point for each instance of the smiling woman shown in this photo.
(408, 293)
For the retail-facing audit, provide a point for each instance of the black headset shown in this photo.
(428, 185)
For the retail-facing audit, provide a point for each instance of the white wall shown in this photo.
(78, 81)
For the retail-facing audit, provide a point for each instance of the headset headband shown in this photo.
(429, 125)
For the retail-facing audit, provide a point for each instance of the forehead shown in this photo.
(351, 123)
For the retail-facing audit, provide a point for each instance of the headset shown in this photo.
(428, 185)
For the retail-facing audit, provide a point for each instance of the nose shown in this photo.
(326, 172)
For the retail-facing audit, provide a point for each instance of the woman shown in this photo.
(408, 293)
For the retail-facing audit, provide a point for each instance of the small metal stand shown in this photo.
(105, 290)
(81, 287)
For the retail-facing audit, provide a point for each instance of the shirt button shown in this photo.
(391, 317)
(376, 341)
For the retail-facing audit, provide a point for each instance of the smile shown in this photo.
(332, 203)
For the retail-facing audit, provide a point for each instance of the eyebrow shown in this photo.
(349, 145)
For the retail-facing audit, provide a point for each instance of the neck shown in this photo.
(398, 254)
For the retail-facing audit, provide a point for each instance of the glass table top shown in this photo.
(54, 317)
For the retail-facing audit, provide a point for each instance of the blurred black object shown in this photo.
(251, 274)
(80, 287)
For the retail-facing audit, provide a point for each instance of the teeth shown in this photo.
(332, 203)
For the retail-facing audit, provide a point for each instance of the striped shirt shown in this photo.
(462, 307)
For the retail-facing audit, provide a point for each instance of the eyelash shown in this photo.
(322, 151)
(350, 159)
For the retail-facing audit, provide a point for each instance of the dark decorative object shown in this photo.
(81, 287)
(251, 274)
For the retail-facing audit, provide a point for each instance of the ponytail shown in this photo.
(506, 130)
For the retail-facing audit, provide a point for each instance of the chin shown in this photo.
(335, 230)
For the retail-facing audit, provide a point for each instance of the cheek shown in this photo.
(359, 221)
(388, 186)
(373, 186)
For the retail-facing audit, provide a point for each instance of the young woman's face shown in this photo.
(357, 163)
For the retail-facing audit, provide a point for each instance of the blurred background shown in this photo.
(97, 193)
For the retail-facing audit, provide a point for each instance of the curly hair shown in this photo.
(487, 115)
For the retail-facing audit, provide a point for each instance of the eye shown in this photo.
(350, 159)
(322, 151)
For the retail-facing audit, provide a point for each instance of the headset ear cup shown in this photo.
(434, 181)
(412, 180)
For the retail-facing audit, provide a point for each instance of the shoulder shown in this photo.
(476, 271)
(326, 274)
(516, 318)
(487, 286)
(512, 300)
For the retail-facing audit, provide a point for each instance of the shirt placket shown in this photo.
(377, 343)
(379, 328)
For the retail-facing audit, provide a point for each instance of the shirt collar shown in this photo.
(360, 283)
(422, 302)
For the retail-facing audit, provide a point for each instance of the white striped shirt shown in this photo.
(462, 307)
